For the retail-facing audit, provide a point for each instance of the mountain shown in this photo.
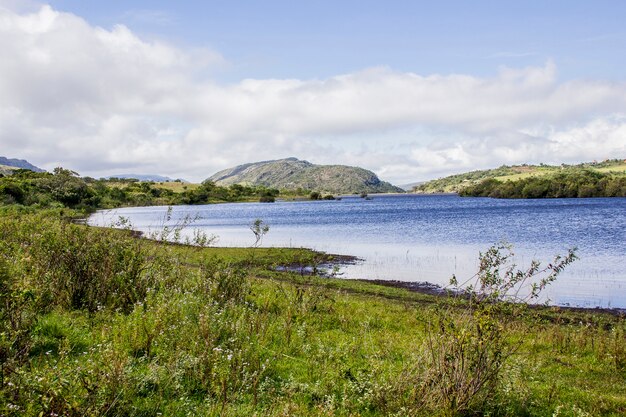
(144, 177)
(292, 173)
(457, 182)
(409, 187)
(9, 163)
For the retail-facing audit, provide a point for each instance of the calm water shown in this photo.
(429, 238)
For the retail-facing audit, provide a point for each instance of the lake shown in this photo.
(428, 238)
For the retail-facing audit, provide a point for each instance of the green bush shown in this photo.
(79, 267)
(568, 184)
(469, 348)
(203, 337)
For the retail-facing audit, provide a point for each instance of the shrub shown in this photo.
(467, 343)
(259, 229)
(79, 267)
(17, 316)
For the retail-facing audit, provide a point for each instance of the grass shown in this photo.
(177, 187)
(539, 171)
(527, 172)
(455, 183)
(217, 331)
(620, 168)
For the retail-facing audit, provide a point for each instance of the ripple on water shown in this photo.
(429, 238)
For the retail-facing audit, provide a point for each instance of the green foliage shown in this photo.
(77, 267)
(217, 331)
(65, 188)
(499, 280)
(505, 174)
(259, 229)
(469, 337)
(68, 189)
(17, 318)
(568, 184)
(454, 183)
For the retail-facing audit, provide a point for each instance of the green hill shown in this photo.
(293, 174)
(456, 183)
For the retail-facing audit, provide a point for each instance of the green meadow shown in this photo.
(100, 322)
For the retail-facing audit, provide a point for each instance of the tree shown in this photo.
(68, 188)
(259, 229)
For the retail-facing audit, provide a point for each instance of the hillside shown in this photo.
(7, 163)
(6, 170)
(292, 174)
(144, 177)
(455, 183)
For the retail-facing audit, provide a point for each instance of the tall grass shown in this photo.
(98, 322)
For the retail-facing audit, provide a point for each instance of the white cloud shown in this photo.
(101, 101)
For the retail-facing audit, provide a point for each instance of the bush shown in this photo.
(79, 267)
(568, 184)
(468, 344)
(17, 317)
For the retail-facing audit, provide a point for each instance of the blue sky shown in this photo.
(319, 39)
(410, 90)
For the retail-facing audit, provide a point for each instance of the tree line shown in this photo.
(567, 184)
(65, 188)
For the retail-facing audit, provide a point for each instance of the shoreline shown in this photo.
(420, 287)
(428, 288)
(326, 269)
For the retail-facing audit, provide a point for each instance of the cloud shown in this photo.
(102, 101)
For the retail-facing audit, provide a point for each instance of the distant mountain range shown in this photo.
(8, 164)
(411, 186)
(144, 177)
(292, 173)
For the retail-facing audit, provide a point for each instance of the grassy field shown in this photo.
(177, 187)
(618, 168)
(98, 322)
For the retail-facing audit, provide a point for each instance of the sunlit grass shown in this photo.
(177, 187)
(217, 331)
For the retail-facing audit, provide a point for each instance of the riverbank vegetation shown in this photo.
(100, 322)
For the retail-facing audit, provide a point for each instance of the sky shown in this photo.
(410, 90)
